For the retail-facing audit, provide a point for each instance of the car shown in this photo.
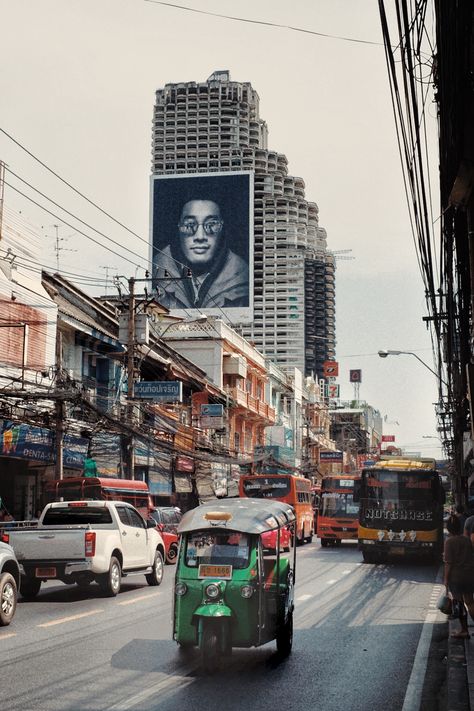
(167, 519)
(269, 539)
(9, 583)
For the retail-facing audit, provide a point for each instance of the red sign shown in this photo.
(330, 368)
(388, 438)
(184, 464)
(355, 376)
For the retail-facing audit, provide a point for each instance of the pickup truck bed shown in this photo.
(82, 542)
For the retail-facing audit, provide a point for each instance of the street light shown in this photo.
(384, 354)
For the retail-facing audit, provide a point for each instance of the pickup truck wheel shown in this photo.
(156, 576)
(8, 597)
(111, 582)
(29, 587)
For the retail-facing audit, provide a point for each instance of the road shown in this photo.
(357, 632)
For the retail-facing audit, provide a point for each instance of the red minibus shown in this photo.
(338, 515)
(292, 489)
(133, 491)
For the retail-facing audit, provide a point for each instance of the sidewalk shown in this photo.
(460, 672)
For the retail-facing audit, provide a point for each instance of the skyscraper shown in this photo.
(216, 126)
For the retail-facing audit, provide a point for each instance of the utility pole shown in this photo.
(2, 191)
(59, 407)
(131, 373)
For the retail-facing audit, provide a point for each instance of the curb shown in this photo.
(460, 671)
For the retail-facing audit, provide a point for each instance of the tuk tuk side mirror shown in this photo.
(150, 523)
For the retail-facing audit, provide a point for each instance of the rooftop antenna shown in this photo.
(58, 248)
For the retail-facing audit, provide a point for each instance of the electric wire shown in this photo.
(265, 23)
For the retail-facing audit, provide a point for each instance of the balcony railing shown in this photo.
(252, 403)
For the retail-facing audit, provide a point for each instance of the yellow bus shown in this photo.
(400, 509)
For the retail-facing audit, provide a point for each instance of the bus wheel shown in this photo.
(369, 557)
(324, 542)
(338, 542)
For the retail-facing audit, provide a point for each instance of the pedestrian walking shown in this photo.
(459, 572)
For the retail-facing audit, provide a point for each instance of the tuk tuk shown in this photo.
(230, 590)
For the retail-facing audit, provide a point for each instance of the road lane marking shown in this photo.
(346, 572)
(331, 582)
(302, 598)
(71, 618)
(139, 599)
(6, 636)
(414, 690)
(173, 682)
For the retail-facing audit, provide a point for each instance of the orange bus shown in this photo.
(338, 515)
(132, 491)
(291, 489)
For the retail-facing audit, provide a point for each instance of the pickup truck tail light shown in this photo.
(90, 544)
(5, 538)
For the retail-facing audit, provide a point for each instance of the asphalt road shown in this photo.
(357, 632)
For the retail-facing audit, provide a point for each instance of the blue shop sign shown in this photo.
(165, 391)
(37, 443)
(212, 410)
(331, 456)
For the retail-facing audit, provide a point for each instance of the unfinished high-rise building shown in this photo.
(215, 126)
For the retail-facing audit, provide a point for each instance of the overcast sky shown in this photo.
(77, 89)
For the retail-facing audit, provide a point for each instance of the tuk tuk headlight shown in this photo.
(181, 589)
(246, 591)
(213, 591)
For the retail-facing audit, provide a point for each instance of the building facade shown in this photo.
(216, 126)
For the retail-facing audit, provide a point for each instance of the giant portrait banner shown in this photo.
(202, 244)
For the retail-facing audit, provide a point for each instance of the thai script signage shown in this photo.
(165, 391)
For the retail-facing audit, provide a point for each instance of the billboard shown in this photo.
(202, 244)
(330, 368)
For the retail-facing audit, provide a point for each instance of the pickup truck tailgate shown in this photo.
(41, 544)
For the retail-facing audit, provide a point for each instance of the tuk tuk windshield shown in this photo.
(218, 548)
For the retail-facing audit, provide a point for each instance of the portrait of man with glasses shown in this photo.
(198, 268)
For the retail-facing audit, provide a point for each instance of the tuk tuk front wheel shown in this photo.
(284, 639)
(210, 647)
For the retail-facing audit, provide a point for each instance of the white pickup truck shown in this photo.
(82, 541)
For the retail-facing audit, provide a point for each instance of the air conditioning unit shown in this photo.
(234, 364)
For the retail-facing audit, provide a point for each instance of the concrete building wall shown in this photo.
(216, 125)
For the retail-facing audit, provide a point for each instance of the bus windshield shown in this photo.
(267, 487)
(337, 505)
(397, 485)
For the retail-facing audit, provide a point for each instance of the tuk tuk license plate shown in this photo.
(45, 572)
(396, 550)
(215, 571)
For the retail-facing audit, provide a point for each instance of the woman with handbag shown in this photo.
(459, 572)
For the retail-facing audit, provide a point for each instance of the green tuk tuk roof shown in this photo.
(243, 515)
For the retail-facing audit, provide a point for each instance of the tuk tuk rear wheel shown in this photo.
(284, 639)
(210, 647)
